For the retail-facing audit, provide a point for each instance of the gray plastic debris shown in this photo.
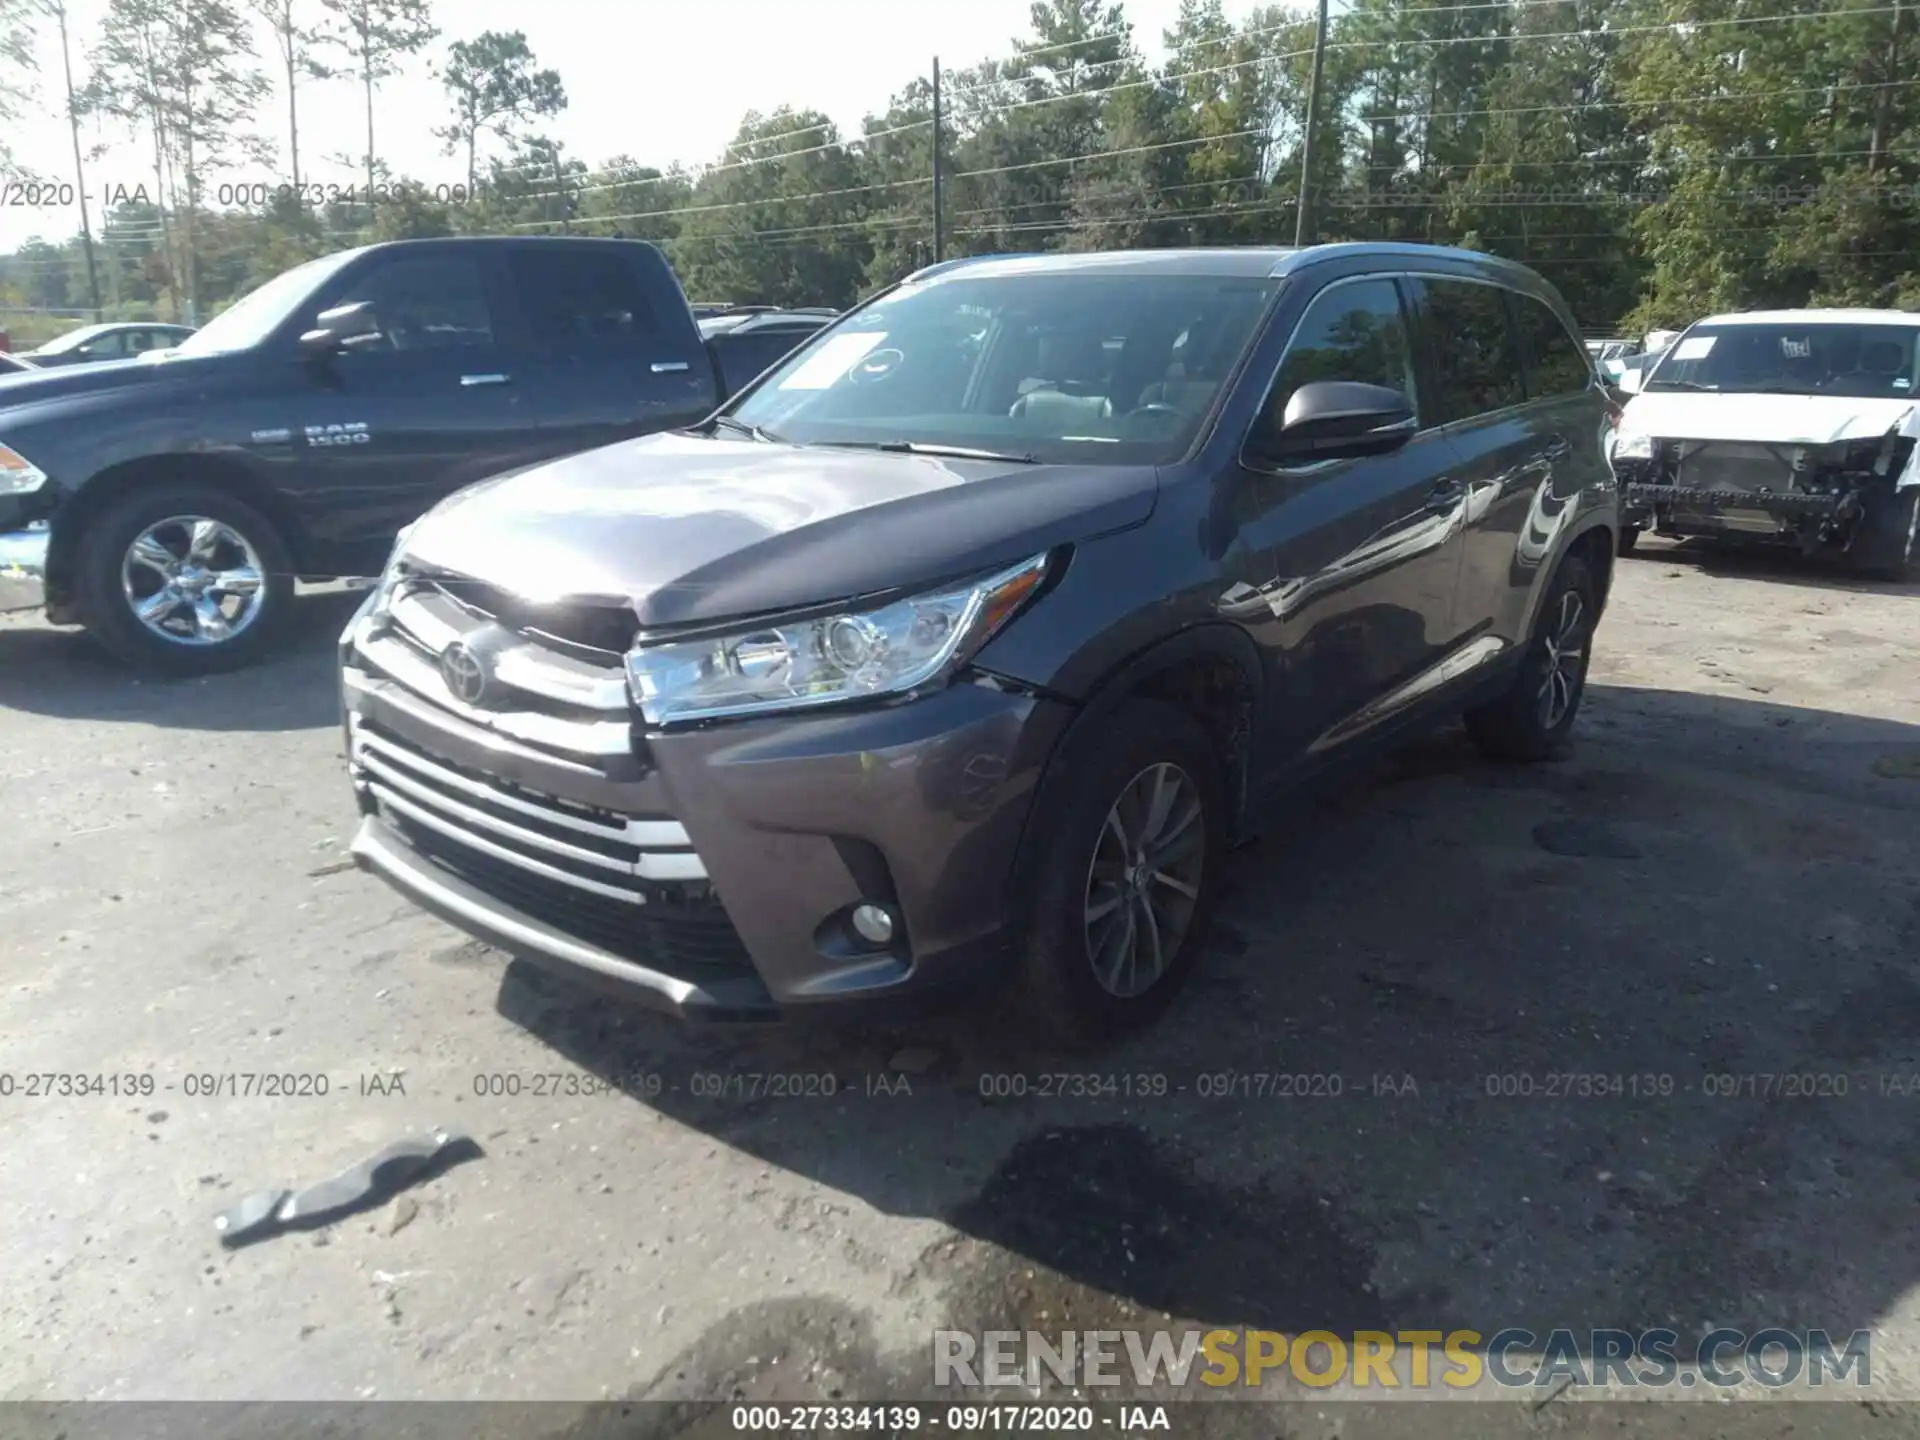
(361, 1187)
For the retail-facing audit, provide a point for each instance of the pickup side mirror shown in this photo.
(1632, 377)
(345, 327)
(1337, 420)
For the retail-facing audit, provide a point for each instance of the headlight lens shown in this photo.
(1633, 447)
(798, 664)
(383, 590)
(19, 475)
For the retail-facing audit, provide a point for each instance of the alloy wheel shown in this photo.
(1566, 657)
(193, 580)
(1143, 883)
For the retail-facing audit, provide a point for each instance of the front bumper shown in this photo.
(23, 568)
(711, 872)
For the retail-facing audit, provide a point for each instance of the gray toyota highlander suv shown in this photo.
(967, 641)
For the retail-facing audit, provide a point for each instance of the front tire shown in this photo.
(1532, 720)
(184, 579)
(1130, 856)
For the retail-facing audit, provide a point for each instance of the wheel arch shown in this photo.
(224, 473)
(1595, 544)
(1211, 671)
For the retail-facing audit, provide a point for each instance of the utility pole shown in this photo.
(939, 222)
(1302, 218)
(560, 191)
(59, 9)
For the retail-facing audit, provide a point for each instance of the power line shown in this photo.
(1631, 104)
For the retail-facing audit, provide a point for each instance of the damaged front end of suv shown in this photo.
(1850, 496)
(1794, 428)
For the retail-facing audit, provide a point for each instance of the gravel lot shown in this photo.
(175, 900)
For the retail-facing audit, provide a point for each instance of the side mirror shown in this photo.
(1340, 419)
(345, 327)
(1631, 379)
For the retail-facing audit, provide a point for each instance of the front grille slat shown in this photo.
(692, 942)
(562, 838)
(589, 873)
(421, 815)
(623, 830)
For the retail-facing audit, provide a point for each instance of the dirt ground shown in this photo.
(175, 902)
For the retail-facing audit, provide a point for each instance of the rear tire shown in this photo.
(1532, 720)
(1628, 537)
(211, 574)
(1134, 833)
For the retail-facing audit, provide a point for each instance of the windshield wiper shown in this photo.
(752, 432)
(1679, 385)
(914, 447)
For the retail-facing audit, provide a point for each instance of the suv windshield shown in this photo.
(1879, 362)
(1059, 367)
(261, 311)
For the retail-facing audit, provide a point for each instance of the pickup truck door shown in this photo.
(377, 434)
(611, 348)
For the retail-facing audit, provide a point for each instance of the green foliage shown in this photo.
(1655, 159)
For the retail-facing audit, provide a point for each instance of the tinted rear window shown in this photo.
(1476, 364)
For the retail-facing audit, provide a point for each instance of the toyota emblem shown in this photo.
(464, 673)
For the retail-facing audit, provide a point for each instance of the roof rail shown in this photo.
(927, 272)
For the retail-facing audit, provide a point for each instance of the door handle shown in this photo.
(1445, 495)
(467, 382)
(670, 367)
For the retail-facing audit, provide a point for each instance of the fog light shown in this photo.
(872, 924)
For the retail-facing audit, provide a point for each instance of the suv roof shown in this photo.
(1255, 260)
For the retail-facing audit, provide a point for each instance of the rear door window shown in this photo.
(581, 301)
(1472, 348)
(1558, 361)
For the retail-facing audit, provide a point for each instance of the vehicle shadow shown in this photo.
(1776, 566)
(63, 674)
(1473, 1047)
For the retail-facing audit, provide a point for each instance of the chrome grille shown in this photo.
(635, 860)
(570, 703)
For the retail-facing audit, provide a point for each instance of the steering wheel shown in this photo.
(1154, 407)
(879, 365)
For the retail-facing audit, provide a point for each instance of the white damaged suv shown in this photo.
(1782, 427)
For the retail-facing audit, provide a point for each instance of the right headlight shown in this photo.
(19, 475)
(781, 665)
(390, 575)
(1633, 447)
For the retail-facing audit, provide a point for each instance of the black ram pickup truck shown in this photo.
(169, 503)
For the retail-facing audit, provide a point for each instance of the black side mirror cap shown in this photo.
(1340, 419)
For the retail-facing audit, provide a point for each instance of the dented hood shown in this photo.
(1774, 420)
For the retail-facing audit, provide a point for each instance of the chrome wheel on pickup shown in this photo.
(193, 580)
(183, 578)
